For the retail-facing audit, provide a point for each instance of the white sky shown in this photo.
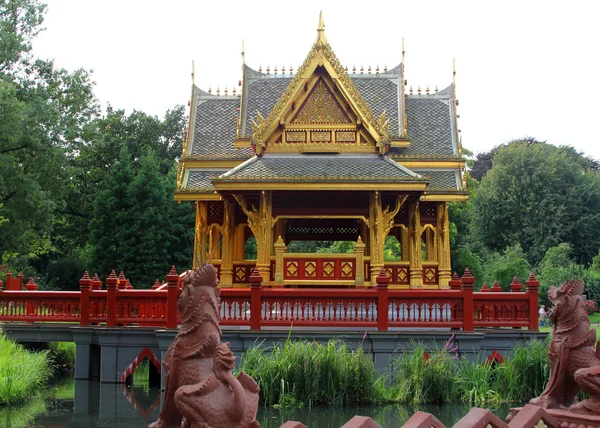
(524, 68)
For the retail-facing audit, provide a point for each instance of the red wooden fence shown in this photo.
(257, 307)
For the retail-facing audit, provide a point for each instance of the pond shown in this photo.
(71, 403)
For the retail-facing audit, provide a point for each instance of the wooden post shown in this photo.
(172, 289)
(228, 233)
(121, 281)
(382, 300)
(30, 286)
(467, 281)
(532, 290)
(443, 246)
(454, 283)
(111, 300)
(96, 283)
(280, 250)
(359, 250)
(516, 286)
(255, 299)
(84, 299)
(414, 235)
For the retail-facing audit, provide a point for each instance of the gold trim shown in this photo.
(321, 217)
(206, 164)
(196, 196)
(403, 144)
(337, 256)
(320, 283)
(228, 185)
(444, 197)
(416, 164)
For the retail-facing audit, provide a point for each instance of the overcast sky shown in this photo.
(524, 68)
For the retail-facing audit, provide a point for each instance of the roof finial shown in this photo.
(321, 39)
(193, 72)
(243, 53)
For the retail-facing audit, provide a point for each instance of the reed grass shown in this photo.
(22, 373)
(304, 373)
(298, 374)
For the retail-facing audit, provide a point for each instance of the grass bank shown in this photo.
(22, 373)
(303, 373)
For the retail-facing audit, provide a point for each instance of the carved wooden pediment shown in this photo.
(321, 110)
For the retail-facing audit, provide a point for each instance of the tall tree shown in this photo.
(537, 196)
(111, 214)
(143, 233)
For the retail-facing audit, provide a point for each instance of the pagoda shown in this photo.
(323, 154)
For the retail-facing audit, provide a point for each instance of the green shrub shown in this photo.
(62, 355)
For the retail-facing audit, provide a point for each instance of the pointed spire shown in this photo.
(321, 39)
(243, 53)
(193, 71)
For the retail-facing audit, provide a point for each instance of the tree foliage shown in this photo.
(538, 195)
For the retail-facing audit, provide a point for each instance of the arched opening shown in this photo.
(145, 375)
(428, 244)
(392, 249)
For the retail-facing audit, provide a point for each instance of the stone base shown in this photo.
(565, 419)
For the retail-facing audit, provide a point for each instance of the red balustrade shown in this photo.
(40, 306)
(257, 306)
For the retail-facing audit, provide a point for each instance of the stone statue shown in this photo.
(574, 361)
(199, 384)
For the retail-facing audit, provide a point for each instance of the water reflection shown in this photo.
(91, 404)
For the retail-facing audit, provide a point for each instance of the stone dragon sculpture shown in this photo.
(573, 353)
(199, 385)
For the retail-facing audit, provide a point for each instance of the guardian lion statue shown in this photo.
(199, 384)
(573, 353)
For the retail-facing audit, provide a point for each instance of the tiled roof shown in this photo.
(263, 94)
(215, 128)
(429, 127)
(442, 180)
(381, 94)
(199, 181)
(320, 168)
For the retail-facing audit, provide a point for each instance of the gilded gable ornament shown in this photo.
(320, 108)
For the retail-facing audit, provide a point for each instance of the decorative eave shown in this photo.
(321, 54)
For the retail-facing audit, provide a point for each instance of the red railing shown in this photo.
(257, 306)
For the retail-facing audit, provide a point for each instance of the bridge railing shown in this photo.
(256, 307)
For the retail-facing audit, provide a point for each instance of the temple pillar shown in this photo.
(261, 223)
(363, 231)
(430, 245)
(414, 236)
(200, 235)
(381, 222)
(443, 245)
(280, 249)
(214, 247)
(239, 242)
(226, 273)
(359, 250)
(404, 244)
(375, 240)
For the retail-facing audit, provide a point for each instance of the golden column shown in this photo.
(443, 247)
(359, 250)
(404, 244)
(228, 243)
(414, 236)
(200, 235)
(380, 223)
(239, 242)
(280, 249)
(261, 223)
(430, 244)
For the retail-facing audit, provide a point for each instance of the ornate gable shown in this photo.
(321, 110)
